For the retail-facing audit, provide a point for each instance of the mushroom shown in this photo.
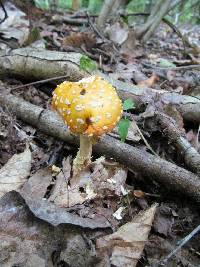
(90, 108)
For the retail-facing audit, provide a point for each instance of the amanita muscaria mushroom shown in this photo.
(90, 108)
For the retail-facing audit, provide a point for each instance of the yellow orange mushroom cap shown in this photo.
(90, 106)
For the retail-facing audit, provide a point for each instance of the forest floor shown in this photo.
(33, 232)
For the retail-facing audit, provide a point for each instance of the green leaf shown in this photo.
(125, 19)
(123, 126)
(87, 64)
(166, 63)
(128, 104)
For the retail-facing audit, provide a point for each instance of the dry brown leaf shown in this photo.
(28, 241)
(138, 194)
(79, 39)
(131, 48)
(62, 195)
(37, 184)
(150, 82)
(36, 191)
(118, 32)
(164, 220)
(16, 25)
(129, 45)
(103, 179)
(15, 172)
(125, 246)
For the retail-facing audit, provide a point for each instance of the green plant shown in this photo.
(124, 123)
(87, 64)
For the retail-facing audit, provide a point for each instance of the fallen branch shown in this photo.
(177, 136)
(152, 167)
(180, 245)
(69, 20)
(33, 64)
(39, 82)
(188, 67)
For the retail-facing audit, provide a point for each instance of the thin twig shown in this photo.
(145, 141)
(94, 27)
(181, 244)
(40, 82)
(176, 30)
(189, 67)
(198, 133)
(121, 15)
(5, 12)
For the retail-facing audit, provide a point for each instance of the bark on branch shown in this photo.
(152, 167)
(32, 64)
(177, 136)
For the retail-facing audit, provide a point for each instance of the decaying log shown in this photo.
(152, 167)
(33, 64)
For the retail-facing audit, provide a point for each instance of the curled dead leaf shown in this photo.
(150, 82)
(125, 246)
(15, 172)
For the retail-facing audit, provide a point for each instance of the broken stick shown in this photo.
(152, 167)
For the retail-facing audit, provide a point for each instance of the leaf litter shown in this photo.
(16, 25)
(99, 180)
(15, 172)
(28, 241)
(124, 247)
(92, 203)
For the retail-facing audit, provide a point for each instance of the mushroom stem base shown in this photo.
(84, 154)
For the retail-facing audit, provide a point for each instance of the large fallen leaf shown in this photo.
(101, 179)
(16, 25)
(124, 247)
(34, 191)
(15, 172)
(37, 184)
(28, 241)
(51, 213)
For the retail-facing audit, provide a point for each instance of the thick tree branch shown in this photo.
(105, 12)
(32, 64)
(178, 138)
(152, 167)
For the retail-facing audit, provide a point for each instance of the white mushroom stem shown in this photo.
(84, 154)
